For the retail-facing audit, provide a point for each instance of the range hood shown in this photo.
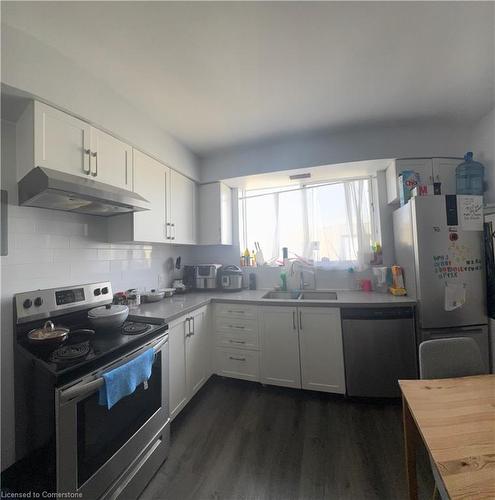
(47, 188)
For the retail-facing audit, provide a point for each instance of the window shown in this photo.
(330, 224)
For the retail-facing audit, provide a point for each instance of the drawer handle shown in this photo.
(237, 359)
(237, 341)
(237, 327)
(240, 312)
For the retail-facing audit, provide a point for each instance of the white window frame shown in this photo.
(373, 200)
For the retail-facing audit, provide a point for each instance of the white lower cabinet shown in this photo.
(320, 345)
(237, 363)
(237, 341)
(197, 351)
(177, 366)
(189, 358)
(298, 347)
(279, 346)
(302, 347)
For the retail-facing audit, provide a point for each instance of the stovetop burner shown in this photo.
(87, 350)
(133, 328)
(71, 352)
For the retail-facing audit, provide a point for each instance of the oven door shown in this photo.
(95, 445)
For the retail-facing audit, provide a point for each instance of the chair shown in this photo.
(448, 358)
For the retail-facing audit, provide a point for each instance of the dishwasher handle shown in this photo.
(378, 313)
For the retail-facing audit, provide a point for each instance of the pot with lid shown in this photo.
(48, 335)
(110, 317)
(231, 278)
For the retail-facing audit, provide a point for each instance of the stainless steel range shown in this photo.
(70, 443)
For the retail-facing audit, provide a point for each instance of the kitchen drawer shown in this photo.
(239, 340)
(236, 325)
(237, 363)
(236, 311)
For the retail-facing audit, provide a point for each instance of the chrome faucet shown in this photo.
(303, 284)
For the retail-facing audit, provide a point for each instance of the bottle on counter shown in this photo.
(283, 281)
(352, 283)
(285, 256)
(247, 258)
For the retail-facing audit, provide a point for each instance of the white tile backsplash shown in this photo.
(77, 252)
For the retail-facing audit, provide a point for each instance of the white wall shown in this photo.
(328, 148)
(48, 249)
(483, 147)
(32, 67)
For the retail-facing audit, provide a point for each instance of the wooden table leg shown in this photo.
(410, 443)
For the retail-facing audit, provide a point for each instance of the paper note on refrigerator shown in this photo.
(471, 213)
(455, 296)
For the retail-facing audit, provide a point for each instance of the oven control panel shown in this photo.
(55, 301)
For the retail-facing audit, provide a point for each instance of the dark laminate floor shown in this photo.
(240, 440)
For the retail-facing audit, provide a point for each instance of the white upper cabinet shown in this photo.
(279, 364)
(182, 211)
(215, 214)
(423, 166)
(110, 160)
(172, 214)
(444, 172)
(430, 170)
(150, 182)
(52, 139)
(150, 226)
(320, 342)
(49, 138)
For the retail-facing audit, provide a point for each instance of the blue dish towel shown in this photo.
(122, 381)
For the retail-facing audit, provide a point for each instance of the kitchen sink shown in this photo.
(282, 295)
(318, 296)
(298, 295)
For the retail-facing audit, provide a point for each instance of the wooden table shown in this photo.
(455, 417)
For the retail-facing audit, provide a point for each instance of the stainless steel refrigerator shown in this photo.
(439, 244)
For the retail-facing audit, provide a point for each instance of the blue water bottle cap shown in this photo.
(468, 156)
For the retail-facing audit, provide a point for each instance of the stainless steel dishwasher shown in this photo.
(379, 349)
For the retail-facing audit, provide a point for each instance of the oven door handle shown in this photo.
(89, 387)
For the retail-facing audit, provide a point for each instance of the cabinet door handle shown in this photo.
(126, 174)
(194, 326)
(94, 155)
(294, 327)
(188, 323)
(237, 327)
(237, 341)
(239, 312)
(167, 230)
(237, 359)
(300, 321)
(86, 161)
(173, 231)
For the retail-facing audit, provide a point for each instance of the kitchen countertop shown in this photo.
(178, 305)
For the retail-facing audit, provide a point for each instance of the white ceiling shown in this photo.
(318, 174)
(215, 74)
